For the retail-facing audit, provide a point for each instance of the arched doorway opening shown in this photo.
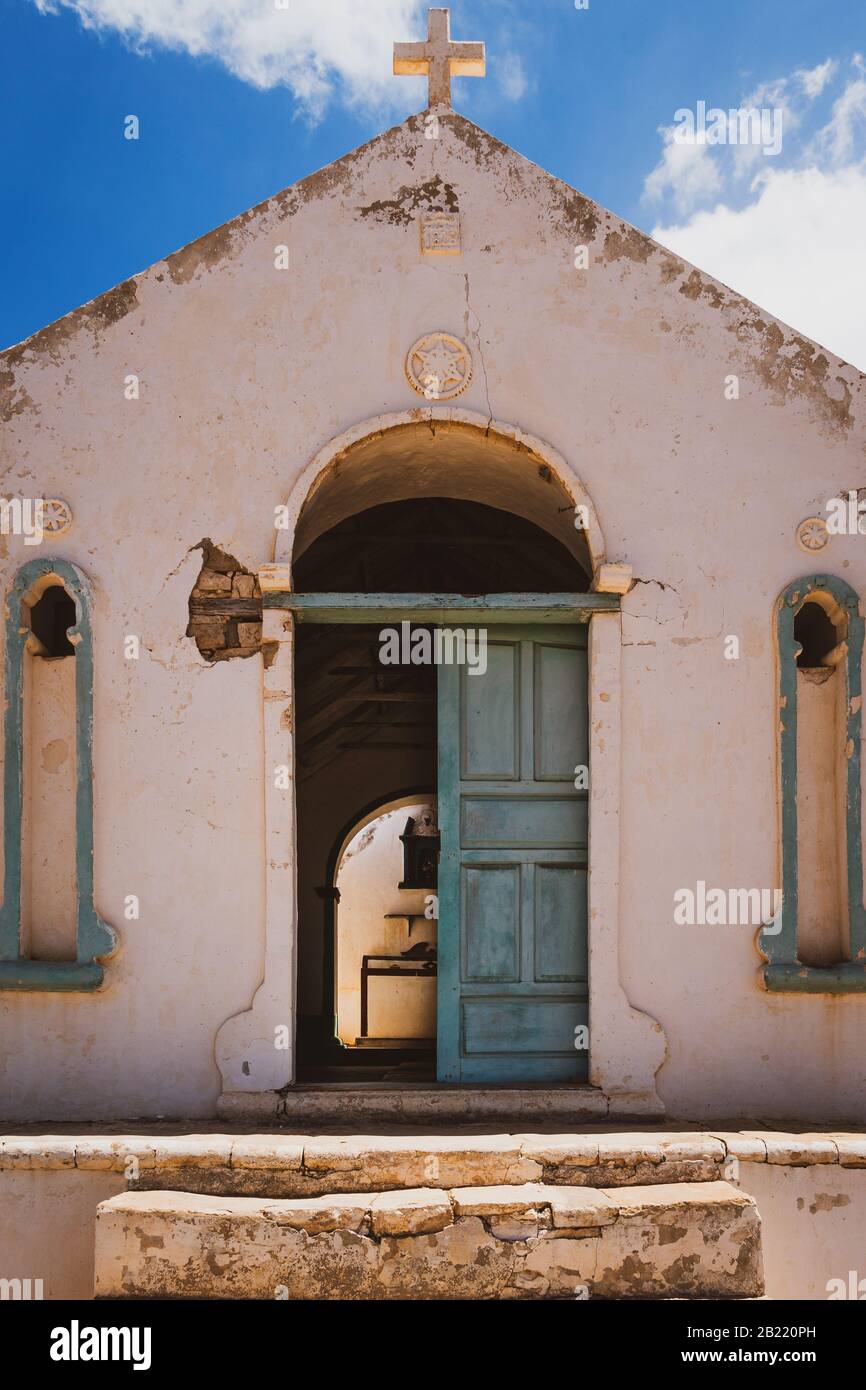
(379, 966)
(461, 455)
(363, 727)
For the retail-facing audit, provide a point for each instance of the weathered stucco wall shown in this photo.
(245, 371)
(812, 1228)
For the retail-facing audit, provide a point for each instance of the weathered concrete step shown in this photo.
(365, 1104)
(683, 1240)
(302, 1166)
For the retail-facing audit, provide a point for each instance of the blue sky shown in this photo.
(237, 100)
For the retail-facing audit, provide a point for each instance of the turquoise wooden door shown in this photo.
(513, 867)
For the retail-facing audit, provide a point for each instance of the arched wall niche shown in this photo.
(94, 940)
(816, 942)
(457, 454)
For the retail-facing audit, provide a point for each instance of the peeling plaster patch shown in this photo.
(14, 400)
(794, 366)
(788, 364)
(483, 146)
(696, 287)
(628, 243)
(671, 267)
(209, 250)
(826, 1201)
(99, 314)
(225, 606)
(582, 217)
(401, 141)
(54, 754)
(581, 214)
(433, 196)
(226, 242)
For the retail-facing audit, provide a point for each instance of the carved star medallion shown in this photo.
(812, 534)
(439, 367)
(56, 517)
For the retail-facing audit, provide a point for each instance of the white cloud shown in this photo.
(814, 80)
(691, 173)
(787, 231)
(512, 78)
(317, 48)
(796, 250)
(837, 139)
(686, 171)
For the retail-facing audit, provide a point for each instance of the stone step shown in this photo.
(363, 1105)
(529, 1240)
(305, 1166)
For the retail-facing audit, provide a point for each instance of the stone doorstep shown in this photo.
(298, 1166)
(288, 1166)
(682, 1240)
(378, 1103)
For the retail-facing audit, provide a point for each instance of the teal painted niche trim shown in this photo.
(57, 976)
(95, 939)
(441, 608)
(793, 978)
(783, 971)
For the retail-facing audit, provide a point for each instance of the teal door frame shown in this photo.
(514, 609)
(438, 608)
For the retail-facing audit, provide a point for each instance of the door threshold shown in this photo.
(438, 1087)
(406, 1102)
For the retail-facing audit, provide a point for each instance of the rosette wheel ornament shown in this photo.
(439, 367)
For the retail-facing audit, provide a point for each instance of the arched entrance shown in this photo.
(466, 469)
(362, 726)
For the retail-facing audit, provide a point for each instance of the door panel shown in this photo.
(518, 1028)
(513, 867)
(560, 719)
(560, 923)
(490, 718)
(490, 911)
(522, 821)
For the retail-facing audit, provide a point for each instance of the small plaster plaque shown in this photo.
(440, 234)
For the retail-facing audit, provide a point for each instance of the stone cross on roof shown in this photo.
(439, 58)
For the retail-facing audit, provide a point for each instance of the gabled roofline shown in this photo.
(584, 216)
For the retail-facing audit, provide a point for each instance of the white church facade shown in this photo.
(431, 389)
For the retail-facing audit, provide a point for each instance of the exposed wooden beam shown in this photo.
(442, 608)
